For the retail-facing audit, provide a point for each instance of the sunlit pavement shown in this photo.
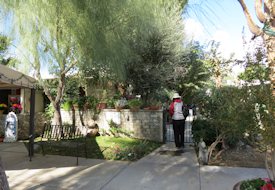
(164, 169)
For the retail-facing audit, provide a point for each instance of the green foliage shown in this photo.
(218, 66)
(135, 103)
(4, 44)
(109, 148)
(48, 113)
(92, 102)
(72, 36)
(132, 153)
(256, 67)
(67, 106)
(191, 74)
(253, 184)
(202, 128)
(232, 112)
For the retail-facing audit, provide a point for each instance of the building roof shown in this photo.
(10, 78)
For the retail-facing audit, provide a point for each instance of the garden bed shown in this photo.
(105, 147)
(252, 158)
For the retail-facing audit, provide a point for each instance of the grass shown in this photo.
(102, 147)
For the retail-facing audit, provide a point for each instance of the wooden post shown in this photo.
(31, 129)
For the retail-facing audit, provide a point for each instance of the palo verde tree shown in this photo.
(265, 11)
(44, 30)
(61, 36)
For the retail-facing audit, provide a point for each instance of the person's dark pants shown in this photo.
(178, 127)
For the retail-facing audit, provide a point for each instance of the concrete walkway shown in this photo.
(164, 169)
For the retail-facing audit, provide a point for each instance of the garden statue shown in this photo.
(203, 152)
(130, 89)
(11, 127)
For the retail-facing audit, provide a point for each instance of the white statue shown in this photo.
(203, 152)
(11, 127)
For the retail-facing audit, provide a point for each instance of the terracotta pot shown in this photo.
(101, 106)
(118, 108)
(1, 139)
(134, 109)
(154, 107)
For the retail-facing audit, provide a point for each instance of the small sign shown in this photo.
(11, 127)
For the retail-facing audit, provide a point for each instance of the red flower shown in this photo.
(17, 106)
(268, 187)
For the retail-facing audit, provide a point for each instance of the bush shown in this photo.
(202, 128)
(67, 105)
(49, 111)
(134, 103)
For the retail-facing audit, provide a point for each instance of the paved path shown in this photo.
(164, 169)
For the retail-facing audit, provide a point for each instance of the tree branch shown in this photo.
(259, 11)
(269, 8)
(252, 26)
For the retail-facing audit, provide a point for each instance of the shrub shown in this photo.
(49, 111)
(134, 103)
(67, 105)
(202, 128)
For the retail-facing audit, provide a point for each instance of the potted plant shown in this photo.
(134, 104)
(259, 183)
(17, 107)
(3, 107)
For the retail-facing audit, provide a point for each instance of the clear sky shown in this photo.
(221, 20)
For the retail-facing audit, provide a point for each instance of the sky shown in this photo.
(219, 20)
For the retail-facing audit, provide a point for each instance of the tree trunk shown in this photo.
(57, 119)
(212, 147)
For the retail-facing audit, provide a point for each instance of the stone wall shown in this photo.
(23, 124)
(143, 124)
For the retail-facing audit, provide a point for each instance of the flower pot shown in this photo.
(134, 109)
(154, 107)
(101, 106)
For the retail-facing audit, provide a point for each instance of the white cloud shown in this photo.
(193, 29)
(228, 44)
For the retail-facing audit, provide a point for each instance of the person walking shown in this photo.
(178, 119)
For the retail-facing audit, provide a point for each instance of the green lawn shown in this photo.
(104, 147)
